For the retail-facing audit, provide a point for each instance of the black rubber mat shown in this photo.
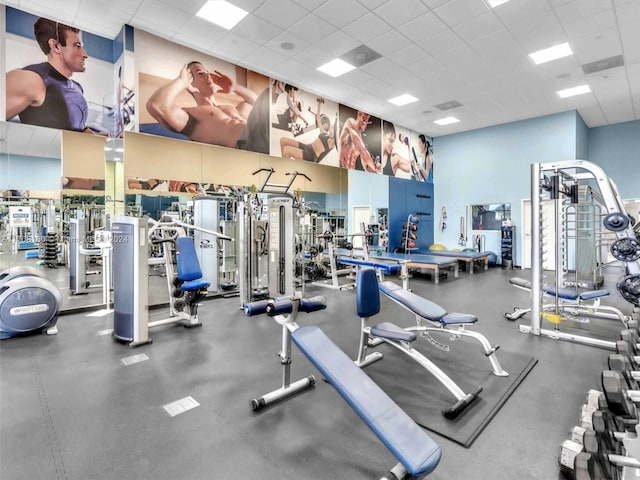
(423, 397)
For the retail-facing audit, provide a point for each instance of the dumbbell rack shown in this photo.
(409, 237)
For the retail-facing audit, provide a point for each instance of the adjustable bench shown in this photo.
(415, 450)
(440, 320)
(573, 304)
(368, 305)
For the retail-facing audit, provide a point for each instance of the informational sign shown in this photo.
(20, 216)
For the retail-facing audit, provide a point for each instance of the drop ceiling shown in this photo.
(444, 52)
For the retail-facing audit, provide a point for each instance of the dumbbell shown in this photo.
(620, 400)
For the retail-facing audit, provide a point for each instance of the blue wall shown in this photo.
(492, 165)
(582, 139)
(30, 173)
(367, 189)
(616, 148)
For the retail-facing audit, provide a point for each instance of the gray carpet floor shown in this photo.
(72, 409)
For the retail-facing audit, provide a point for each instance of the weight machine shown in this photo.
(218, 260)
(561, 182)
(131, 237)
(264, 265)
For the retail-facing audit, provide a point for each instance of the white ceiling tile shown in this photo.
(399, 12)
(591, 48)
(256, 29)
(366, 28)
(518, 10)
(264, 59)
(390, 42)
(375, 86)
(538, 32)
(459, 54)
(161, 14)
(440, 42)
(630, 35)
(633, 73)
(477, 27)
(241, 47)
(356, 77)
(459, 11)
(592, 115)
(425, 67)
(371, 4)
(310, 4)
(283, 13)
(189, 6)
(407, 55)
(611, 85)
(422, 27)
(339, 43)
(312, 29)
(590, 25)
(339, 13)
(582, 9)
(433, 4)
(276, 44)
(496, 44)
(195, 30)
(386, 70)
(312, 56)
(628, 12)
(618, 112)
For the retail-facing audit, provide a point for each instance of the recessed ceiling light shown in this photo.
(496, 3)
(446, 121)
(222, 13)
(403, 99)
(336, 67)
(570, 92)
(552, 53)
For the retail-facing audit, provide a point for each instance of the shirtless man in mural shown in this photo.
(352, 145)
(241, 126)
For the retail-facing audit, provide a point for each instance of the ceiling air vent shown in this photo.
(360, 56)
(451, 104)
(604, 64)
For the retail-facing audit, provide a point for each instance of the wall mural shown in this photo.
(303, 126)
(185, 94)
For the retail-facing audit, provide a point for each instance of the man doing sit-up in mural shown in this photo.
(241, 126)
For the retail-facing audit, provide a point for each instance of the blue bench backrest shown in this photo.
(187, 260)
(367, 294)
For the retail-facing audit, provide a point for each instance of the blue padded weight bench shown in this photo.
(431, 317)
(368, 305)
(571, 303)
(189, 276)
(381, 268)
(29, 254)
(415, 450)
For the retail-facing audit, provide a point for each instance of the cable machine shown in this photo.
(560, 182)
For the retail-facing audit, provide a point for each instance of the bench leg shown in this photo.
(363, 359)
(489, 351)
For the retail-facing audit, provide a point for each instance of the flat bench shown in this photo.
(564, 293)
(387, 268)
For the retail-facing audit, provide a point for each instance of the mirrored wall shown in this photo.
(72, 185)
